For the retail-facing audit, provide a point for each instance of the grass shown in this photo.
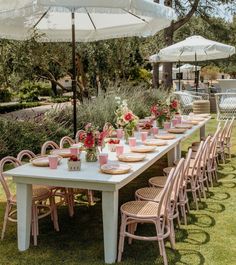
(209, 238)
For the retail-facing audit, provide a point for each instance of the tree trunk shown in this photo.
(54, 87)
(155, 75)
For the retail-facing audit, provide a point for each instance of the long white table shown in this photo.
(88, 178)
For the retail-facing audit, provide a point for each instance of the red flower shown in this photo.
(174, 104)
(82, 136)
(89, 141)
(128, 116)
(154, 110)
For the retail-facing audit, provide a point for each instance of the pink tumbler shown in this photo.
(53, 161)
(174, 122)
(119, 149)
(119, 133)
(179, 119)
(132, 141)
(154, 130)
(166, 126)
(74, 151)
(103, 158)
(144, 136)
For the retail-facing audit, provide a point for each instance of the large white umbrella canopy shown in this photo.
(192, 48)
(94, 20)
(188, 67)
(82, 21)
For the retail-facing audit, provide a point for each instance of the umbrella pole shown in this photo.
(74, 74)
(179, 75)
(196, 75)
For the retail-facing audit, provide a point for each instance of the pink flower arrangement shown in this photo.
(125, 118)
(92, 138)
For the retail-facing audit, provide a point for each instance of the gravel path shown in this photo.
(30, 113)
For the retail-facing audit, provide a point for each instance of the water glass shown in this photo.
(53, 161)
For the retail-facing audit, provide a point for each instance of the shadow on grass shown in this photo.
(186, 255)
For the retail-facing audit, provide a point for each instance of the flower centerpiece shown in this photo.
(125, 119)
(74, 163)
(92, 139)
(173, 107)
(161, 113)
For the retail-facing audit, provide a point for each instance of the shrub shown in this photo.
(101, 109)
(18, 135)
(17, 106)
(5, 95)
(30, 91)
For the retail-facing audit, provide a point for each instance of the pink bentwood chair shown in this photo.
(135, 212)
(153, 194)
(40, 206)
(66, 140)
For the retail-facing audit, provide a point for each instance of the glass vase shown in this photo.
(160, 123)
(127, 134)
(91, 155)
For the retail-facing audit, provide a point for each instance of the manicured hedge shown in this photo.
(18, 106)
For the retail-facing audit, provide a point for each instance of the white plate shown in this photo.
(63, 152)
(115, 169)
(131, 157)
(142, 149)
(155, 142)
(42, 161)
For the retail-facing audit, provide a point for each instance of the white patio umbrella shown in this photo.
(82, 21)
(187, 68)
(195, 48)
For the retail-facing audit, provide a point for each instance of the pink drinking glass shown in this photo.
(166, 126)
(154, 130)
(119, 149)
(174, 122)
(74, 151)
(103, 158)
(179, 119)
(144, 136)
(132, 141)
(119, 133)
(53, 161)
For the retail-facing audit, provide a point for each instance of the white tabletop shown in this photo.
(90, 171)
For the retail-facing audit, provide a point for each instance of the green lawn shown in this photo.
(210, 237)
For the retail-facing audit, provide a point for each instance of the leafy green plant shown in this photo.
(18, 106)
(30, 135)
(5, 95)
(102, 108)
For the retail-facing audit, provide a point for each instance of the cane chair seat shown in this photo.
(149, 193)
(159, 181)
(167, 170)
(141, 209)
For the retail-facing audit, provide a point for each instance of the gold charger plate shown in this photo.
(42, 161)
(115, 169)
(142, 149)
(184, 126)
(194, 122)
(63, 152)
(165, 136)
(131, 157)
(204, 115)
(155, 142)
(177, 131)
(195, 118)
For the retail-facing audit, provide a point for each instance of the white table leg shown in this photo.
(110, 223)
(24, 202)
(202, 131)
(171, 157)
(178, 151)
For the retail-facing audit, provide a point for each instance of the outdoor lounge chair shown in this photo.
(187, 98)
(226, 105)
